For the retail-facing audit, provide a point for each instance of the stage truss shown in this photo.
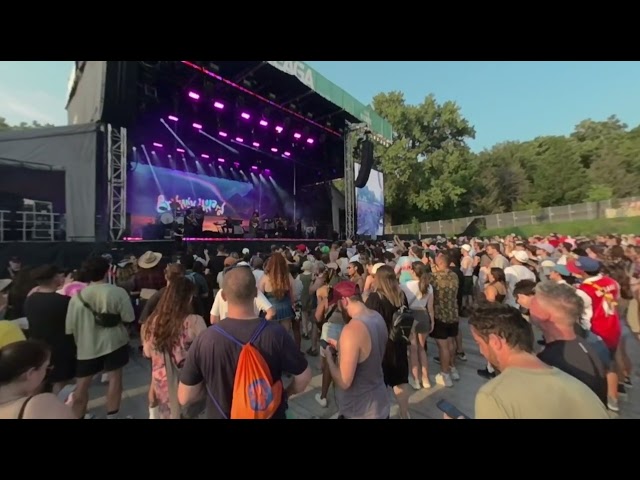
(117, 180)
(355, 131)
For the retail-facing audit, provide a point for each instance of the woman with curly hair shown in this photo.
(167, 336)
(278, 286)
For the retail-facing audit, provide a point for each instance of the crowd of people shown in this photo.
(224, 331)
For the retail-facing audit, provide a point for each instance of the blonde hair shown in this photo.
(387, 286)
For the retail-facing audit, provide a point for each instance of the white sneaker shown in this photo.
(415, 384)
(321, 401)
(444, 379)
(454, 373)
(426, 384)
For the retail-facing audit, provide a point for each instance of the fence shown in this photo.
(622, 207)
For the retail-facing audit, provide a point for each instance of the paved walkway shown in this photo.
(304, 406)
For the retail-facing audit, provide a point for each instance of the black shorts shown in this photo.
(467, 286)
(442, 331)
(107, 363)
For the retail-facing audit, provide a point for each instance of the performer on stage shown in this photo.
(254, 224)
(192, 227)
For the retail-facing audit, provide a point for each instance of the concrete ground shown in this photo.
(303, 406)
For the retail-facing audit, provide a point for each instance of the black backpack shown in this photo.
(401, 324)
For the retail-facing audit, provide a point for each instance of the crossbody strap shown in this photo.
(86, 305)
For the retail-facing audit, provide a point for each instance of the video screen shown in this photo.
(151, 191)
(370, 204)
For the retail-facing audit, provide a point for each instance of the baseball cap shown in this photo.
(375, 268)
(521, 256)
(344, 289)
(583, 265)
(562, 270)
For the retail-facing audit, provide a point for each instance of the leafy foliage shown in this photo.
(4, 126)
(431, 174)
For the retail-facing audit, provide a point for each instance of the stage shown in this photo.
(71, 254)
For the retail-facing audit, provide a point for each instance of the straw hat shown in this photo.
(149, 259)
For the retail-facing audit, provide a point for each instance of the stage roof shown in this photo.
(296, 83)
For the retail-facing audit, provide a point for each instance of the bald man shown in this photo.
(556, 308)
(213, 357)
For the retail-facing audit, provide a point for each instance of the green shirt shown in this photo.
(92, 340)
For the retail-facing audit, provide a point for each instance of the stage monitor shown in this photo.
(370, 201)
(152, 191)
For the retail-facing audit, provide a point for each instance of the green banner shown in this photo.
(322, 86)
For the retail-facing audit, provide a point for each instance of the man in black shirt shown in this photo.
(210, 368)
(556, 309)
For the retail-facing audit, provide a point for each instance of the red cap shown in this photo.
(301, 248)
(344, 289)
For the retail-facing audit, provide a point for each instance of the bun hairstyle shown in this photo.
(18, 358)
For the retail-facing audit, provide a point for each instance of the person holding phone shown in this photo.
(361, 392)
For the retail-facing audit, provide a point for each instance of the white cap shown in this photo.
(375, 268)
(521, 256)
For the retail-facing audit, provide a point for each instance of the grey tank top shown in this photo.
(367, 398)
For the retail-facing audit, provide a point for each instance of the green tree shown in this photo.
(426, 166)
(502, 183)
(22, 125)
(558, 175)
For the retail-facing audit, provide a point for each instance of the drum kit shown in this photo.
(173, 222)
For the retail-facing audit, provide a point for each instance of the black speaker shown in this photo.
(366, 162)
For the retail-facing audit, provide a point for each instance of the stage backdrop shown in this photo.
(151, 190)
(370, 200)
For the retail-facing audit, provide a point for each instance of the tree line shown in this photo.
(4, 126)
(430, 173)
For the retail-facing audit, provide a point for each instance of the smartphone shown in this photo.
(449, 409)
(325, 344)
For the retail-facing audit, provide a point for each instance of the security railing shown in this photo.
(614, 208)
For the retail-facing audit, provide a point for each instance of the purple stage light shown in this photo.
(179, 150)
(279, 129)
(172, 118)
(156, 144)
(236, 164)
(222, 134)
(296, 135)
(239, 139)
(221, 160)
(287, 154)
(267, 171)
(204, 155)
(198, 126)
(309, 141)
(218, 105)
(264, 123)
(194, 95)
(274, 150)
(254, 168)
(255, 144)
(245, 115)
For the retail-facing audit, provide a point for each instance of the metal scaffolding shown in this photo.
(355, 131)
(117, 180)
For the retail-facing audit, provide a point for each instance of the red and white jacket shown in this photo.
(605, 321)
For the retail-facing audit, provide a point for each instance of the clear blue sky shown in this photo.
(503, 100)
